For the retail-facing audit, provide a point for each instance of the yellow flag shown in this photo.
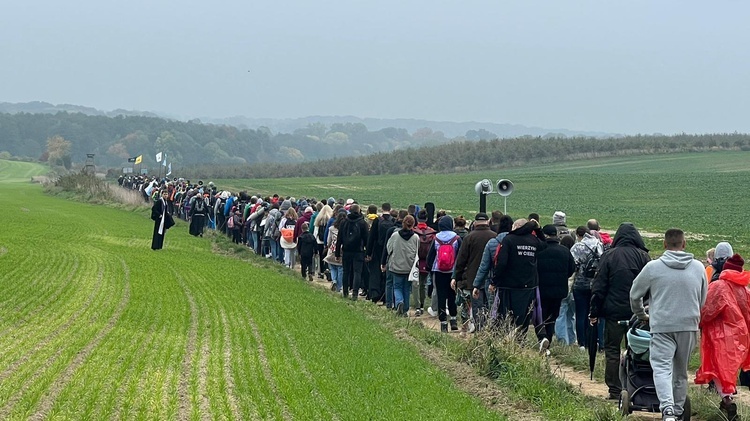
(139, 159)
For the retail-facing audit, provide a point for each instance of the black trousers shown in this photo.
(353, 265)
(613, 336)
(516, 304)
(376, 279)
(306, 263)
(442, 282)
(550, 311)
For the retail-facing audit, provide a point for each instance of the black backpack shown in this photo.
(591, 266)
(384, 224)
(351, 239)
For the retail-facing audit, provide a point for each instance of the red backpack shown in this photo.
(446, 255)
(426, 241)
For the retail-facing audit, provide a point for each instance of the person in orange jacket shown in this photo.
(725, 332)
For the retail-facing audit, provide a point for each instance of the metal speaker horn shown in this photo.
(483, 187)
(504, 187)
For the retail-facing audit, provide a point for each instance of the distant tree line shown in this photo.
(115, 139)
(468, 156)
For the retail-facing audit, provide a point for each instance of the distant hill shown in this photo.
(39, 107)
(450, 129)
(475, 130)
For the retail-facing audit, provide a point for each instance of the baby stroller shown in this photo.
(637, 377)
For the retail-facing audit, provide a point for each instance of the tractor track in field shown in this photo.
(267, 368)
(57, 386)
(68, 279)
(310, 378)
(190, 348)
(57, 332)
(228, 378)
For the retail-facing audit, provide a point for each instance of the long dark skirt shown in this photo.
(157, 242)
(197, 224)
(516, 304)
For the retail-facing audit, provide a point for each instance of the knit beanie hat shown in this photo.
(723, 250)
(558, 218)
(736, 262)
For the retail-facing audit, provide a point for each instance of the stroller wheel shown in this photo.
(686, 409)
(624, 403)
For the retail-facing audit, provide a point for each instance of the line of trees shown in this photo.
(469, 156)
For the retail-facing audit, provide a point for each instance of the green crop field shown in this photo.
(702, 193)
(94, 325)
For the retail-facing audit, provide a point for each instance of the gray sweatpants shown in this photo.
(670, 353)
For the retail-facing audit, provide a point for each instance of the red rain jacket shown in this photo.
(725, 330)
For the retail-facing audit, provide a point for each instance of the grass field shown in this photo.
(95, 325)
(702, 193)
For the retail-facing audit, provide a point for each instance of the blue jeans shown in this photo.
(388, 289)
(565, 323)
(277, 251)
(337, 274)
(401, 290)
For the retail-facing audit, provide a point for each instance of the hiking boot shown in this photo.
(727, 405)
(667, 414)
(418, 312)
(454, 324)
(544, 346)
(444, 327)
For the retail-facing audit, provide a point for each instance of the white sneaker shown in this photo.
(582, 348)
(432, 312)
(543, 346)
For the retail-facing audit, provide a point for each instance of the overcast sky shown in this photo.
(615, 66)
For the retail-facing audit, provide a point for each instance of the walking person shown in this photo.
(426, 240)
(442, 261)
(162, 220)
(587, 248)
(287, 241)
(334, 263)
(609, 296)
(306, 245)
(467, 264)
(554, 266)
(350, 246)
(676, 287)
(398, 260)
(725, 332)
(198, 215)
(376, 242)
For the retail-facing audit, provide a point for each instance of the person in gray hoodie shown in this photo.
(677, 286)
(400, 252)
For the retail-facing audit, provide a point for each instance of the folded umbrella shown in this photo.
(592, 342)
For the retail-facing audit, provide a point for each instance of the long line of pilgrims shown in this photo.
(566, 284)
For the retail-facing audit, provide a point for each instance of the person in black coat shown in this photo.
(162, 220)
(350, 247)
(306, 244)
(554, 265)
(610, 296)
(516, 275)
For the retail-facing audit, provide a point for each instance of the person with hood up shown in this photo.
(305, 217)
(609, 296)
(722, 252)
(350, 247)
(441, 260)
(725, 332)
(398, 258)
(484, 274)
(676, 286)
(516, 276)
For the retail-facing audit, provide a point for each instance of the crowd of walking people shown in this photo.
(474, 274)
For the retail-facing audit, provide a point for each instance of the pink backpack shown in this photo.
(446, 255)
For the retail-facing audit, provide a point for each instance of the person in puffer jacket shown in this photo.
(441, 276)
(586, 248)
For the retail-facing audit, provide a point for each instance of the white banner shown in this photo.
(158, 157)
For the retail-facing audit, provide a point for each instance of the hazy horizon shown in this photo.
(636, 67)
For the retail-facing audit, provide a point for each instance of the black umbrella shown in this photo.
(592, 342)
